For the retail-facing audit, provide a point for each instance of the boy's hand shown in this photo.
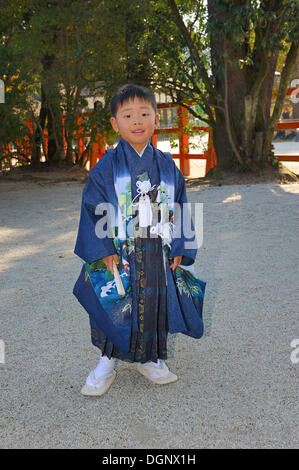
(108, 261)
(176, 261)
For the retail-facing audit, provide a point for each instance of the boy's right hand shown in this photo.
(108, 261)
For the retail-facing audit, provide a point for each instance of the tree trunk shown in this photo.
(244, 130)
(69, 148)
(229, 84)
(55, 133)
(36, 141)
(52, 106)
(39, 128)
(138, 69)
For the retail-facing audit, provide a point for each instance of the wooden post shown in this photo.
(28, 145)
(46, 137)
(80, 145)
(80, 136)
(102, 145)
(95, 150)
(210, 153)
(64, 139)
(183, 142)
(8, 152)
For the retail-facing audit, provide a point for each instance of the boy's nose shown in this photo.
(137, 120)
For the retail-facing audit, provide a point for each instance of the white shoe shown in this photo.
(99, 386)
(150, 370)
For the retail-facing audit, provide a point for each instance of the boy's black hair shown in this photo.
(129, 92)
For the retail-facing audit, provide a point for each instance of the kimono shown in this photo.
(134, 327)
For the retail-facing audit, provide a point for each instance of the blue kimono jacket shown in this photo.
(185, 293)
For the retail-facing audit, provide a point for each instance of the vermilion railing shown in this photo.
(184, 155)
(98, 148)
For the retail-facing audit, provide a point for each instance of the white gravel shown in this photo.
(237, 386)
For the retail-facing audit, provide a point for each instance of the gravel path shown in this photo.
(237, 386)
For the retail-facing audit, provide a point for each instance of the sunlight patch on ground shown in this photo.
(232, 198)
(7, 233)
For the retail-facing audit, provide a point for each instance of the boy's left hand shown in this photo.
(176, 261)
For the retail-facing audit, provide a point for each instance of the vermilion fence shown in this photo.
(98, 148)
(184, 154)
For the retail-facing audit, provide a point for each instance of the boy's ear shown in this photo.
(114, 124)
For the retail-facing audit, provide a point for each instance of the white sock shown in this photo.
(104, 367)
(160, 370)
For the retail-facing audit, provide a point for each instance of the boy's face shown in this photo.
(136, 122)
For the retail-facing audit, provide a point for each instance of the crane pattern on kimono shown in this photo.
(143, 197)
(147, 194)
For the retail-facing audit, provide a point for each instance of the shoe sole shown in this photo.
(90, 391)
(170, 378)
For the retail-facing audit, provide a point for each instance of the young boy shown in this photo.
(134, 178)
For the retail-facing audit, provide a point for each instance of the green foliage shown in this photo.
(70, 48)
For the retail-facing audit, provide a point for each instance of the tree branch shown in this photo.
(263, 63)
(195, 114)
(193, 51)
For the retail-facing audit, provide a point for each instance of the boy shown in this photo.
(133, 178)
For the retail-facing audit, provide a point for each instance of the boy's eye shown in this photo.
(129, 115)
